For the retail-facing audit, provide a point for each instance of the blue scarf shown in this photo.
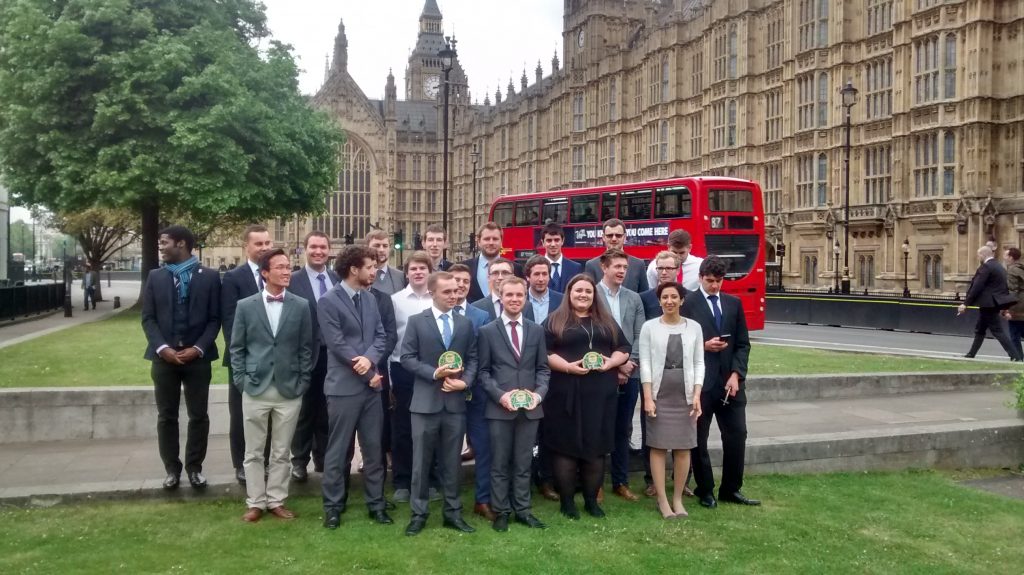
(183, 273)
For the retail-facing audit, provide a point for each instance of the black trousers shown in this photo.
(168, 382)
(732, 423)
(311, 431)
(989, 320)
(401, 427)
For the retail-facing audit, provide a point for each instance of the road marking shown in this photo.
(848, 346)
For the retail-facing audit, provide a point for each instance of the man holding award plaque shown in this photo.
(439, 349)
(514, 374)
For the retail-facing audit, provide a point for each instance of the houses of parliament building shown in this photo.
(648, 89)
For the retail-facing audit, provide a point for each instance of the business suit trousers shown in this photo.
(401, 431)
(478, 433)
(236, 436)
(628, 393)
(168, 383)
(436, 435)
(512, 443)
(347, 416)
(989, 320)
(1016, 329)
(258, 412)
(90, 296)
(311, 430)
(732, 423)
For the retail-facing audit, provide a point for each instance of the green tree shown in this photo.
(100, 232)
(151, 105)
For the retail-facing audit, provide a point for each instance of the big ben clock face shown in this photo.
(581, 38)
(430, 85)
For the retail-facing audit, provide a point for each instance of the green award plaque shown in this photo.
(593, 360)
(521, 399)
(450, 359)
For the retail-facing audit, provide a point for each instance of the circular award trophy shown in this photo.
(593, 360)
(521, 399)
(450, 359)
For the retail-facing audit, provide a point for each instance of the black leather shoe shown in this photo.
(969, 355)
(459, 524)
(240, 475)
(299, 474)
(381, 517)
(738, 498)
(593, 509)
(197, 480)
(570, 510)
(415, 526)
(708, 501)
(500, 523)
(389, 506)
(171, 481)
(530, 521)
(332, 519)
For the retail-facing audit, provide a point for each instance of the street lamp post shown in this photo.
(849, 94)
(474, 157)
(447, 56)
(67, 280)
(906, 260)
(835, 255)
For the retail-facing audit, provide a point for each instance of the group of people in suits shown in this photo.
(549, 357)
(998, 293)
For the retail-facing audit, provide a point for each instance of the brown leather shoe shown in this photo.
(484, 510)
(468, 454)
(651, 491)
(547, 492)
(624, 492)
(600, 495)
(282, 512)
(252, 515)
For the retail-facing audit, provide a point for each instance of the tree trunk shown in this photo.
(150, 211)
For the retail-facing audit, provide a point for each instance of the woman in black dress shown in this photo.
(579, 410)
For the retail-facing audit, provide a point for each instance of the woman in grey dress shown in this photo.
(672, 374)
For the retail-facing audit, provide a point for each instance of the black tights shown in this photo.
(566, 470)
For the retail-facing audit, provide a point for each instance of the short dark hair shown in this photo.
(179, 234)
(713, 266)
(459, 268)
(265, 258)
(534, 262)
(352, 257)
(672, 285)
(1013, 253)
(612, 223)
(253, 229)
(316, 234)
(419, 257)
(552, 229)
(613, 254)
(679, 239)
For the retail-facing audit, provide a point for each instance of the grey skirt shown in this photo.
(672, 427)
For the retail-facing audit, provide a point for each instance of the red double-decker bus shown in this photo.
(724, 216)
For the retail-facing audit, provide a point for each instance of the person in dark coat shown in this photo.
(988, 291)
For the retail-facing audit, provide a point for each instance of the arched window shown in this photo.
(949, 66)
(731, 124)
(348, 207)
(823, 100)
(948, 163)
(937, 272)
(822, 179)
(928, 271)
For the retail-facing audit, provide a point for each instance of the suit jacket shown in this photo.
(476, 316)
(394, 281)
(260, 359)
(569, 268)
(386, 308)
(718, 366)
(554, 300)
(237, 284)
(988, 286)
(631, 318)
(203, 311)
(500, 372)
(652, 307)
(487, 306)
(421, 349)
(92, 281)
(302, 287)
(475, 292)
(636, 274)
(349, 333)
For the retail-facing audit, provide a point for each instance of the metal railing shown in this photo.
(26, 300)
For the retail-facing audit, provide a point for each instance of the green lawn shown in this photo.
(109, 352)
(912, 522)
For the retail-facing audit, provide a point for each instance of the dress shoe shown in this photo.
(548, 493)
(650, 491)
(708, 501)
(624, 492)
(600, 494)
(500, 523)
(240, 475)
(252, 515)
(593, 509)
(332, 519)
(484, 510)
(282, 512)
(570, 510)
(380, 516)
(529, 520)
(433, 494)
(197, 480)
(459, 524)
(415, 526)
(171, 481)
(969, 355)
(389, 506)
(401, 496)
(318, 467)
(738, 498)
(299, 474)
(468, 454)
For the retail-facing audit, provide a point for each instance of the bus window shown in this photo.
(731, 201)
(673, 203)
(502, 214)
(584, 209)
(635, 205)
(608, 210)
(527, 213)
(556, 211)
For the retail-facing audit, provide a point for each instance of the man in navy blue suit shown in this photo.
(562, 268)
(488, 240)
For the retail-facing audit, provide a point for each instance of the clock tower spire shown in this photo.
(423, 73)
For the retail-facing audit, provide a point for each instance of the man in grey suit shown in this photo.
(386, 278)
(628, 310)
(90, 279)
(352, 329)
(271, 363)
(614, 235)
(513, 356)
(438, 409)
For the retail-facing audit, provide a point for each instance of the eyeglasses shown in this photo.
(668, 269)
(500, 273)
(613, 236)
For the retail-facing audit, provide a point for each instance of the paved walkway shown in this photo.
(128, 291)
(113, 468)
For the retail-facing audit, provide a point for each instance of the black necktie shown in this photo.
(359, 312)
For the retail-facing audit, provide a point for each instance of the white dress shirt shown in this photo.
(711, 306)
(540, 305)
(496, 303)
(690, 269)
(273, 310)
(407, 304)
(612, 299)
(313, 281)
(440, 323)
(507, 321)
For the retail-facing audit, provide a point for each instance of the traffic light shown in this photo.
(399, 240)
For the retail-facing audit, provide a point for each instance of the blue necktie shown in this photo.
(446, 331)
(717, 310)
(458, 310)
(323, 285)
(556, 278)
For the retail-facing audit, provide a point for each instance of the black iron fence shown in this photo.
(26, 300)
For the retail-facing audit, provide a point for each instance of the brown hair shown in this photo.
(564, 318)
(512, 280)
(435, 229)
(666, 254)
(419, 257)
(353, 257)
(613, 223)
(488, 226)
(679, 239)
(534, 262)
(460, 268)
(377, 235)
(253, 229)
(614, 254)
(501, 260)
(1013, 253)
(265, 258)
(436, 277)
(316, 234)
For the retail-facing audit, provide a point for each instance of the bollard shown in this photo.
(117, 301)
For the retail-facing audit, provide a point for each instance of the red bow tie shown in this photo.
(275, 298)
